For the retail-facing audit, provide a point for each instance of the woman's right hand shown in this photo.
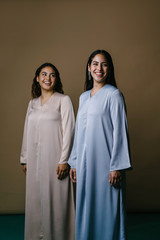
(73, 175)
(24, 167)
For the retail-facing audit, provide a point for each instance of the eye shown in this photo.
(53, 75)
(95, 64)
(43, 74)
(105, 64)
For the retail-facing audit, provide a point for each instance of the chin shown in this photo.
(101, 81)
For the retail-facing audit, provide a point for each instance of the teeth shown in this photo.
(47, 82)
(99, 74)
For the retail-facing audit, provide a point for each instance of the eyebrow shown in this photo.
(98, 62)
(46, 72)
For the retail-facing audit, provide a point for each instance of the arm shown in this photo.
(73, 157)
(120, 158)
(68, 124)
(23, 156)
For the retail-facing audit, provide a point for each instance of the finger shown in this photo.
(73, 176)
(25, 169)
(114, 180)
(66, 171)
(109, 178)
(111, 181)
(62, 173)
(117, 184)
(70, 174)
(117, 180)
(59, 174)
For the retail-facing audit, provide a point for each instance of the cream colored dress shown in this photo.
(47, 141)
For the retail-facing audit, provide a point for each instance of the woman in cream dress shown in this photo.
(47, 141)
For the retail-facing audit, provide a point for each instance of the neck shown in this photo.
(46, 94)
(97, 86)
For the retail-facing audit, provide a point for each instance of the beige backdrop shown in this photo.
(65, 33)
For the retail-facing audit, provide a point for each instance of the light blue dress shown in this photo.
(100, 146)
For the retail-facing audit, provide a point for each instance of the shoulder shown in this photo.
(84, 96)
(116, 98)
(34, 102)
(117, 95)
(109, 89)
(61, 96)
(113, 92)
(63, 99)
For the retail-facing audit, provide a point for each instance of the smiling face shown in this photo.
(99, 68)
(46, 78)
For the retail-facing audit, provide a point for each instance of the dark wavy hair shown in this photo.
(36, 89)
(110, 78)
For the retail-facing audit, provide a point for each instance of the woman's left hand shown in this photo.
(62, 170)
(115, 178)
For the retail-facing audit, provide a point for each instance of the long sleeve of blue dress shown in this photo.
(120, 158)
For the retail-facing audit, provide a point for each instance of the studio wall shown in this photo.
(65, 33)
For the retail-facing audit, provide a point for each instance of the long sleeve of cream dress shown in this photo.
(47, 141)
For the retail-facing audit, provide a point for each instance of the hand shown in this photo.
(115, 178)
(62, 170)
(24, 168)
(73, 175)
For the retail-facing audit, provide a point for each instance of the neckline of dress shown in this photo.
(46, 103)
(96, 92)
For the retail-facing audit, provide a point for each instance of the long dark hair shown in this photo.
(110, 78)
(36, 89)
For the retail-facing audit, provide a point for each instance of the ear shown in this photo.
(37, 79)
(89, 68)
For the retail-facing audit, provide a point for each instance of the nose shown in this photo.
(47, 76)
(99, 67)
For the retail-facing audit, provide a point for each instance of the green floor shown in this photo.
(144, 226)
(11, 227)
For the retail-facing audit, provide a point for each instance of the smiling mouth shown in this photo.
(47, 83)
(99, 74)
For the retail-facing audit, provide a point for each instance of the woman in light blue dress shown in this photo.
(100, 154)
